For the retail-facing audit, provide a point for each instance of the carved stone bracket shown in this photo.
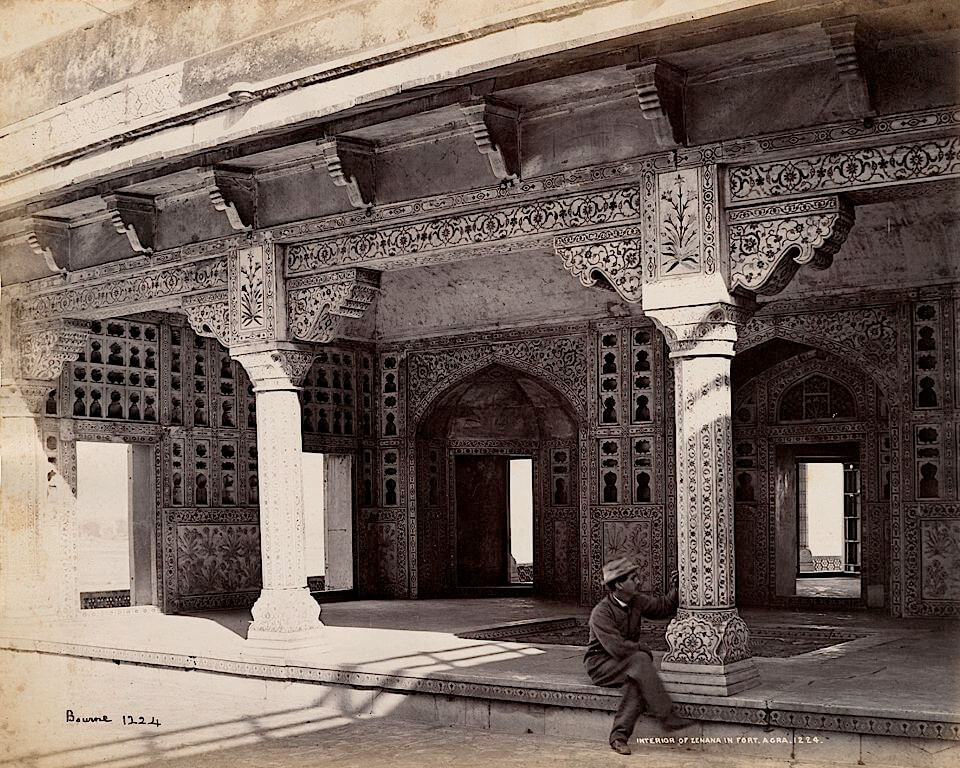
(853, 46)
(220, 203)
(496, 129)
(660, 89)
(36, 245)
(209, 315)
(316, 304)
(352, 165)
(769, 243)
(44, 348)
(273, 366)
(608, 257)
(134, 218)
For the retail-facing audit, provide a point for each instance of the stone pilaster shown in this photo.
(34, 500)
(709, 650)
(285, 615)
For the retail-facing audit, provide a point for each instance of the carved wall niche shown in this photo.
(811, 398)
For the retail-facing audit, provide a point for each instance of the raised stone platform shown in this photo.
(888, 698)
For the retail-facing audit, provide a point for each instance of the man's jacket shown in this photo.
(615, 631)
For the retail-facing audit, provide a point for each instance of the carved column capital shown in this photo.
(703, 329)
(317, 304)
(769, 243)
(609, 258)
(278, 365)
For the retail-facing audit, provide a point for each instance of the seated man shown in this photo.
(614, 655)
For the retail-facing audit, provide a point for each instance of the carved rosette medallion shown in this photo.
(715, 638)
(769, 243)
(613, 254)
(316, 304)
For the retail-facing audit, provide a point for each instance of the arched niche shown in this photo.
(475, 426)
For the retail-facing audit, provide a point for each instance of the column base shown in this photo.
(285, 619)
(710, 679)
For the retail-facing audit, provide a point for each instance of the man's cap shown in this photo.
(617, 568)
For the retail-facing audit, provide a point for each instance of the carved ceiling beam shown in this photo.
(769, 243)
(316, 305)
(496, 130)
(135, 218)
(352, 164)
(853, 45)
(607, 258)
(660, 89)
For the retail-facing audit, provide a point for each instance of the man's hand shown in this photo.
(674, 580)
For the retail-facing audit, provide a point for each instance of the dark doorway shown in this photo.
(483, 521)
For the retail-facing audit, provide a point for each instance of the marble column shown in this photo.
(709, 649)
(285, 615)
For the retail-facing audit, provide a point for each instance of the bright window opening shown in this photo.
(521, 521)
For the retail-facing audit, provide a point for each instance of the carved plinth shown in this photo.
(709, 653)
(285, 619)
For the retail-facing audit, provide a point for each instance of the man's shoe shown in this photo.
(674, 722)
(620, 746)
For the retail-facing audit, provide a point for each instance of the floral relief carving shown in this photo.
(931, 159)
(45, 348)
(768, 244)
(679, 222)
(209, 315)
(612, 253)
(218, 558)
(940, 556)
(315, 303)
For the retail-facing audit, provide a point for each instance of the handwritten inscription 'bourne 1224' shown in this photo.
(71, 717)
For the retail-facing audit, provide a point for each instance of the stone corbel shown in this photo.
(660, 89)
(352, 165)
(209, 315)
(496, 130)
(135, 218)
(41, 351)
(769, 243)
(228, 209)
(37, 244)
(42, 238)
(317, 304)
(239, 190)
(609, 258)
(853, 45)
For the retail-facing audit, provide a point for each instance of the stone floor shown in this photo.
(898, 668)
(829, 586)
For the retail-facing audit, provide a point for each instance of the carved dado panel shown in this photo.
(217, 558)
(868, 336)
(558, 360)
(931, 541)
(627, 532)
(383, 540)
(451, 232)
(845, 170)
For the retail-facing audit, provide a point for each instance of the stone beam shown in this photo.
(352, 164)
(769, 243)
(660, 90)
(853, 45)
(135, 218)
(496, 129)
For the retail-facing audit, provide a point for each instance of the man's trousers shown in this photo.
(641, 684)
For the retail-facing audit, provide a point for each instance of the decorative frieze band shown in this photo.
(527, 219)
(768, 244)
(846, 170)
